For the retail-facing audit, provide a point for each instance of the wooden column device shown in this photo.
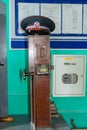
(38, 29)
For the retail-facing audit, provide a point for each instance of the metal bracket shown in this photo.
(27, 74)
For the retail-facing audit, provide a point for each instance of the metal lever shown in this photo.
(23, 73)
(27, 74)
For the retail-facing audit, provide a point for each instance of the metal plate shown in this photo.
(3, 64)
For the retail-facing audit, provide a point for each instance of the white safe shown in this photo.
(69, 75)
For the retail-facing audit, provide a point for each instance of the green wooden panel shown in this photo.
(19, 104)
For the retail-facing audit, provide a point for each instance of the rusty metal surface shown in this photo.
(42, 100)
(3, 63)
(40, 86)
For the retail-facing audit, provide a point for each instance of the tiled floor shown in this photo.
(23, 122)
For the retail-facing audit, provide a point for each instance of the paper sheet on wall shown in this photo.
(25, 10)
(85, 20)
(53, 11)
(72, 18)
(69, 18)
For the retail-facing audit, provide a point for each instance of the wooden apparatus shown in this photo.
(38, 29)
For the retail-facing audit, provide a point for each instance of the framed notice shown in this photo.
(53, 11)
(70, 22)
(25, 10)
(85, 20)
(72, 18)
